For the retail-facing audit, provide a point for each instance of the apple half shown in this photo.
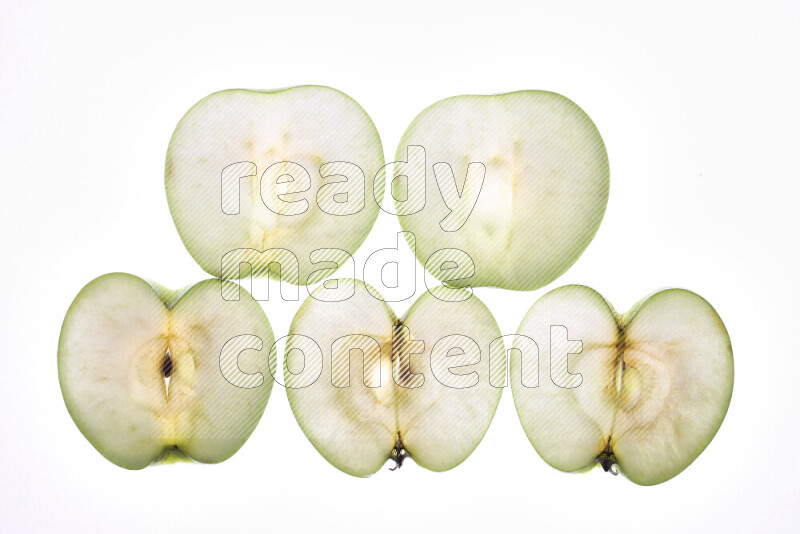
(515, 185)
(257, 176)
(642, 393)
(366, 386)
(151, 375)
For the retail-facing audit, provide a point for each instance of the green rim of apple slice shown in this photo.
(654, 384)
(145, 377)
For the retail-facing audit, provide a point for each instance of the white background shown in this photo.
(699, 106)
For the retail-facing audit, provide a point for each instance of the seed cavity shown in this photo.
(631, 391)
(166, 370)
(166, 365)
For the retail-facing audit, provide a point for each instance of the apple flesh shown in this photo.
(383, 389)
(518, 181)
(245, 171)
(654, 388)
(141, 370)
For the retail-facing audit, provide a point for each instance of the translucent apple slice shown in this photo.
(262, 175)
(677, 385)
(365, 386)
(351, 424)
(568, 427)
(653, 389)
(517, 181)
(145, 377)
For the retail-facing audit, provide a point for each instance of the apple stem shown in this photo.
(607, 459)
(399, 453)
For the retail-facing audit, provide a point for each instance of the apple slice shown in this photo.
(366, 386)
(653, 389)
(245, 171)
(151, 375)
(518, 181)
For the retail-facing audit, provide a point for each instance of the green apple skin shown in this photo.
(542, 199)
(655, 386)
(113, 370)
(253, 132)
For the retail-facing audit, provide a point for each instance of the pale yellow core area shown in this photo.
(171, 400)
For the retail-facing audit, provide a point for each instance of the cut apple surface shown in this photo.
(278, 172)
(517, 181)
(145, 377)
(366, 386)
(653, 389)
